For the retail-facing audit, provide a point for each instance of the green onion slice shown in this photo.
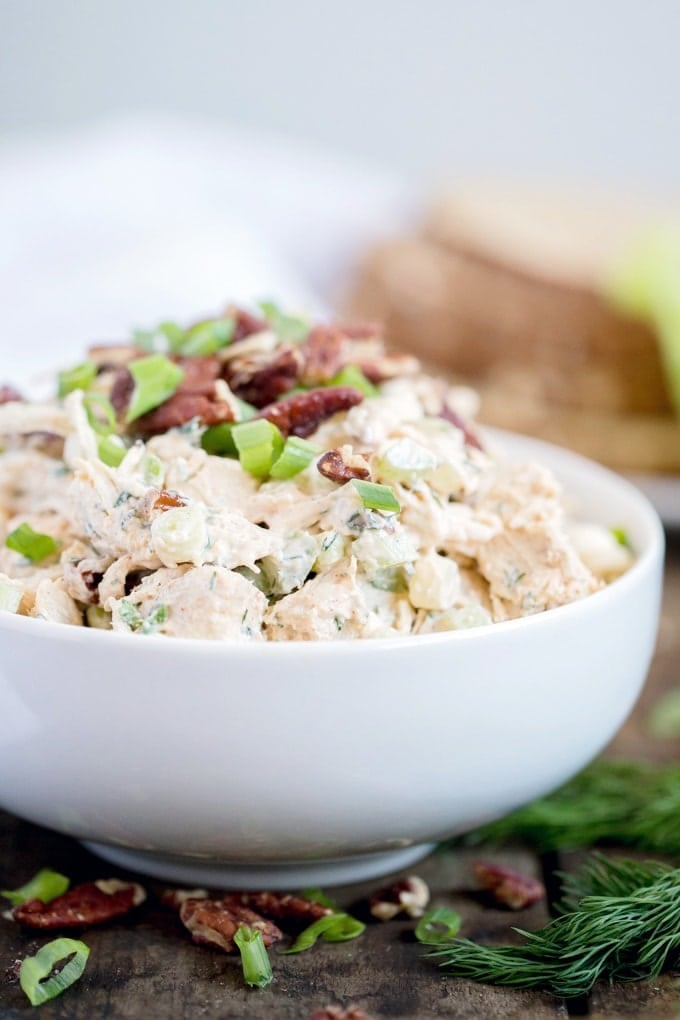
(156, 378)
(31, 544)
(77, 378)
(219, 441)
(36, 977)
(111, 450)
(333, 928)
(208, 337)
(438, 926)
(287, 327)
(297, 454)
(45, 885)
(100, 413)
(257, 968)
(259, 444)
(377, 497)
(319, 896)
(351, 375)
(621, 536)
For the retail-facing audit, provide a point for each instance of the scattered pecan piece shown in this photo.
(333, 465)
(215, 922)
(181, 408)
(323, 354)
(168, 500)
(90, 903)
(409, 896)
(121, 389)
(471, 439)
(8, 394)
(508, 887)
(281, 906)
(383, 366)
(200, 374)
(262, 386)
(176, 897)
(302, 414)
(245, 323)
(339, 1013)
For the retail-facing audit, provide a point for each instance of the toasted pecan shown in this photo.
(84, 905)
(302, 414)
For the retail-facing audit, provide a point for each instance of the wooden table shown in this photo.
(149, 967)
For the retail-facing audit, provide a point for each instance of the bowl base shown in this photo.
(284, 875)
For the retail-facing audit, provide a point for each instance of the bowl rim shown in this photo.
(652, 552)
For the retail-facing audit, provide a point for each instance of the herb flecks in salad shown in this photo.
(259, 477)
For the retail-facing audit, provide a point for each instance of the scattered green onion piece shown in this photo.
(34, 975)
(351, 375)
(100, 413)
(621, 536)
(287, 327)
(377, 497)
(173, 334)
(31, 544)
(153, 470)
(208, 337)
(219, 441)
(333, 928)
(319, 896)
(167, 336)
(437, 926)
(77, 378)
(45, 885)
(156, 378)
(257, 968)
(297, 454)
(111, 450)
(259, 444)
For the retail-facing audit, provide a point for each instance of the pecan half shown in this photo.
(387, 365)
(333, 466)
(508, 887)
(281, 906)
(8, 394)
(215, 922)
(200, 374)
(181, 408)
(471, 439)
(168, 500)
(408, 896)
(90, 903)
(323, 354)
(176, 897)
(263, 385)
(302, 414)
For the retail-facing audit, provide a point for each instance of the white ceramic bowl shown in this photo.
(289, 764)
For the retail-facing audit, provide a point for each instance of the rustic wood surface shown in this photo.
(149, 967)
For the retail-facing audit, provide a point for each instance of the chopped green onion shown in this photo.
(131, 615)
(257, 968)
(31, 544)
(36, 977)
(332, 928)
(156, 378)
(100, 413)
(351, 375)
(319, 896)
(152, 469)
(287, 327)
(259, 444)
(437, 926)
(297, 454)
(208, 337)
(77, 378)
(621, 536)
(45, 885)
(219, 441)
(377, 497)
(111, 450)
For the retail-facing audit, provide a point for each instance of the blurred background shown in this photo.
(159, 158)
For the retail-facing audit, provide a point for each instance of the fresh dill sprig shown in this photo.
(626, 803)
(623, 925)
